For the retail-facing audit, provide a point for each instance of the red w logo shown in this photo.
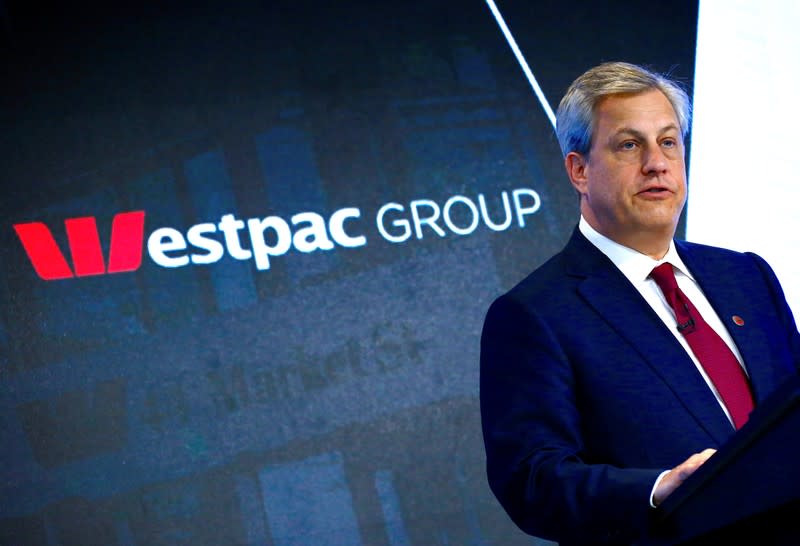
(127, 232)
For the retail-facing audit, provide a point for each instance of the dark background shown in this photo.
(331, 399)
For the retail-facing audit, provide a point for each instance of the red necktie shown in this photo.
(714, 354)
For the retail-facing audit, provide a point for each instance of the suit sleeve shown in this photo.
(531, 422)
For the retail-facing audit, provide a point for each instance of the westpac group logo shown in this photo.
(259, 239)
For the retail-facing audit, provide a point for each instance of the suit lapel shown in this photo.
(616, 300)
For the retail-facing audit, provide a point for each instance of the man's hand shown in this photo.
(677, 475)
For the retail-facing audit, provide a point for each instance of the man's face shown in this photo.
(633, 181)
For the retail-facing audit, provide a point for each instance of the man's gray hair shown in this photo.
(575, 115)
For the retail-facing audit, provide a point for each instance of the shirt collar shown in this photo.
(632, 263)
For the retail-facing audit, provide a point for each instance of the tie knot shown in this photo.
(665, 278)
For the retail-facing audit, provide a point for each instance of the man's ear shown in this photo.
(575, 164)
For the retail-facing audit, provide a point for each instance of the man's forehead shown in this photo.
(628, 110)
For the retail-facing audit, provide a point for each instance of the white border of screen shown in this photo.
(743, 187)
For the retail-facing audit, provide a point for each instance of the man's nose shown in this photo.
(654, 160)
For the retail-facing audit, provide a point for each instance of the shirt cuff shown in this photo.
(655, 485)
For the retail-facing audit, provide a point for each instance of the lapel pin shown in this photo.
(737, 320)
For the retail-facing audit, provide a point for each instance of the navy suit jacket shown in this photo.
(586, 396)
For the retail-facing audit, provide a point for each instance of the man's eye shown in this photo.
(669, 143)
(628, 145)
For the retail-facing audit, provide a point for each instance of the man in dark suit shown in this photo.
(597, 401)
